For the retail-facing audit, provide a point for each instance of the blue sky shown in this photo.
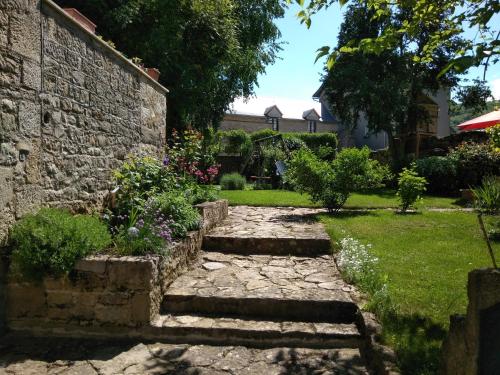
(292, 80)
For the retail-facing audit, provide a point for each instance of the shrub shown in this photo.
(323, 145)
(410, 187)
(52, 240)
(264, 133)
(331, 183)
(175, 207)
(235, 141)
(474, 162)
(440, 172)
(494, 135)
(232, 181)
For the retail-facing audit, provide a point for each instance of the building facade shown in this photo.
(273, 118)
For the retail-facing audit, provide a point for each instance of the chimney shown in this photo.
(81, 19)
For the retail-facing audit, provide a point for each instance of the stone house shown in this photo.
(273, 118)
(71, 109)
(436, 105)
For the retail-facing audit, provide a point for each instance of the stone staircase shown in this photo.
(244, 291)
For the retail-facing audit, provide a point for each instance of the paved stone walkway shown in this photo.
(70, 357)
(269, 230)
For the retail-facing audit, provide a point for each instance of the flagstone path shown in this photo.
(265, 297)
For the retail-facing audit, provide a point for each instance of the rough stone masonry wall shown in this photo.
(71, 109)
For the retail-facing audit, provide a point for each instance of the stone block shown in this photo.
(61, 299)
(109, 314)
(8, 125)
(141, 308)
(29, 118)
(8, 154)
(92, 264)
(31, 76)
(25, 34)
(131, 273)
(114, 298)
(25, 301)
(6, 187)
(28, 199)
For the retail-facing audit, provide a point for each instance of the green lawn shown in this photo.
(426, 257)
(382, 198)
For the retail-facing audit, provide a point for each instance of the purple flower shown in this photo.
(166, 160)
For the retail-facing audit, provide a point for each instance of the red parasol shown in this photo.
(481, 122)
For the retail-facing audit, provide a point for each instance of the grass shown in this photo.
(426, 257)
(383, 198)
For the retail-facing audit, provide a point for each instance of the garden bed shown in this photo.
(104, 293)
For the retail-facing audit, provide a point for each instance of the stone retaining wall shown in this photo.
(473, 343)
(71, 109)
(105, 291)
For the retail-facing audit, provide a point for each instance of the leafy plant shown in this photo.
(487, 201)
(440, 172)
(474, 162)
(232, 181)
(410, 187)
(235, 141)
(176, 208)
(332, 183)
(52, 240)
(494, 133)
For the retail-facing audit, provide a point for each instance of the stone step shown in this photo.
(335, 311)
(196, 329)
(266, 245)
(265, 230)
(263, 287)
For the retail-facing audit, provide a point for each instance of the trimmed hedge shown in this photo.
(440, 173)
(232, 181)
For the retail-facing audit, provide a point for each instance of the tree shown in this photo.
(418, 15)
(387, 86)
(208, 52)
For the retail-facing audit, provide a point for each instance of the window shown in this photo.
(311, 126)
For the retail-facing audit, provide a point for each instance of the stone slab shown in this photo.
(276, 287)
(197, 329)
(63, 356)
(269, 230)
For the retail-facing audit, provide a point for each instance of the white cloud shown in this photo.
(291, 108)
(495, 88)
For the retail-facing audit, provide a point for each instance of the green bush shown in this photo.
(174, 206)
(235, 141)
(487, 196)
(440, 172)
(474, 162)
(52, 240)
(410, 187)
(331, 183)
(324, 145)
(232, 181)
(263, 133)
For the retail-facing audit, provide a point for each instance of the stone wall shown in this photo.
(103, 291)
(71, 109)
(473, 343)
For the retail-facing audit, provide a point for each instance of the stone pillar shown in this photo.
(473, 343)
